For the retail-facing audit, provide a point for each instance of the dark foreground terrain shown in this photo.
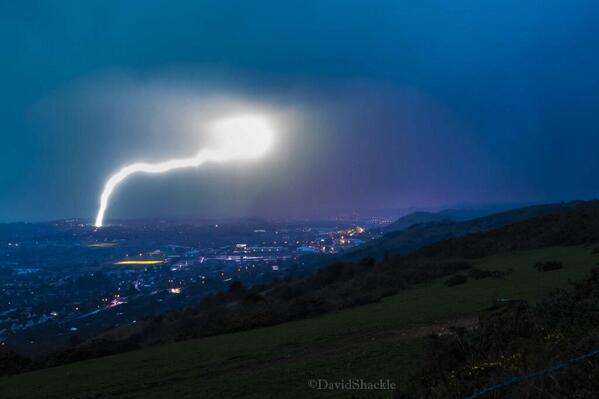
(449, 333)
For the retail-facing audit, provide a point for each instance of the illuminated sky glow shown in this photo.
(381, 106)
(235, 138)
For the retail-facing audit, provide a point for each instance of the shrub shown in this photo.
(456, 280)
(368, 261)
(253, 298)
(11, 362)
(518, 340)
(548, 266)
(479, 274)
(237, 289)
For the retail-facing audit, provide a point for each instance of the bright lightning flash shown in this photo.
(235, 138)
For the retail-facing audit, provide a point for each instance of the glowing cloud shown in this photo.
(235, 138)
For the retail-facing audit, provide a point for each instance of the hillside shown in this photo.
(402, 241)
(574, 226)
(452, 215)
(379, 340)
(548, 349)
(346, 315)
(343, 285)
(415, 218)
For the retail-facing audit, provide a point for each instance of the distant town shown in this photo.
(64, 281)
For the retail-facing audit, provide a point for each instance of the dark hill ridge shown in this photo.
(576, 224)
(421, 235)
(448, 215)
(415, 218)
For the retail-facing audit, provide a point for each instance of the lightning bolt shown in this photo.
(236, 138)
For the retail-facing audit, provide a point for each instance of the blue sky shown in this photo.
(392, 104)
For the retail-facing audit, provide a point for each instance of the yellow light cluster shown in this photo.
(139, 262)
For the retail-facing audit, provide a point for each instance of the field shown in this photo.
(372, 342)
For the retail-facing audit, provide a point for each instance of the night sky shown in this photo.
(381, 104)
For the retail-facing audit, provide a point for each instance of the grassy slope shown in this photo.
(375, 341)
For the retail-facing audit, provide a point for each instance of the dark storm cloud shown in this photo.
(389, 103)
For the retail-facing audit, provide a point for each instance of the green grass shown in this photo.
(381, 340)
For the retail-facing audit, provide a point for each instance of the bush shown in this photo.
(11, 362)
(237, 289)
(456, 280)
(368, 261)
(90, 350)
(548, 266)
(253, 298)
(479, 274)
(516, 339)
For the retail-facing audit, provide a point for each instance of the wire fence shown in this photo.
(532, 376)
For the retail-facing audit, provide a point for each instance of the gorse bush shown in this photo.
(548, 266)
(519, 340)
(456, 280)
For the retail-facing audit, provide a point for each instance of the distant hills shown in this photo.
(404, 236)
(448, 215)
